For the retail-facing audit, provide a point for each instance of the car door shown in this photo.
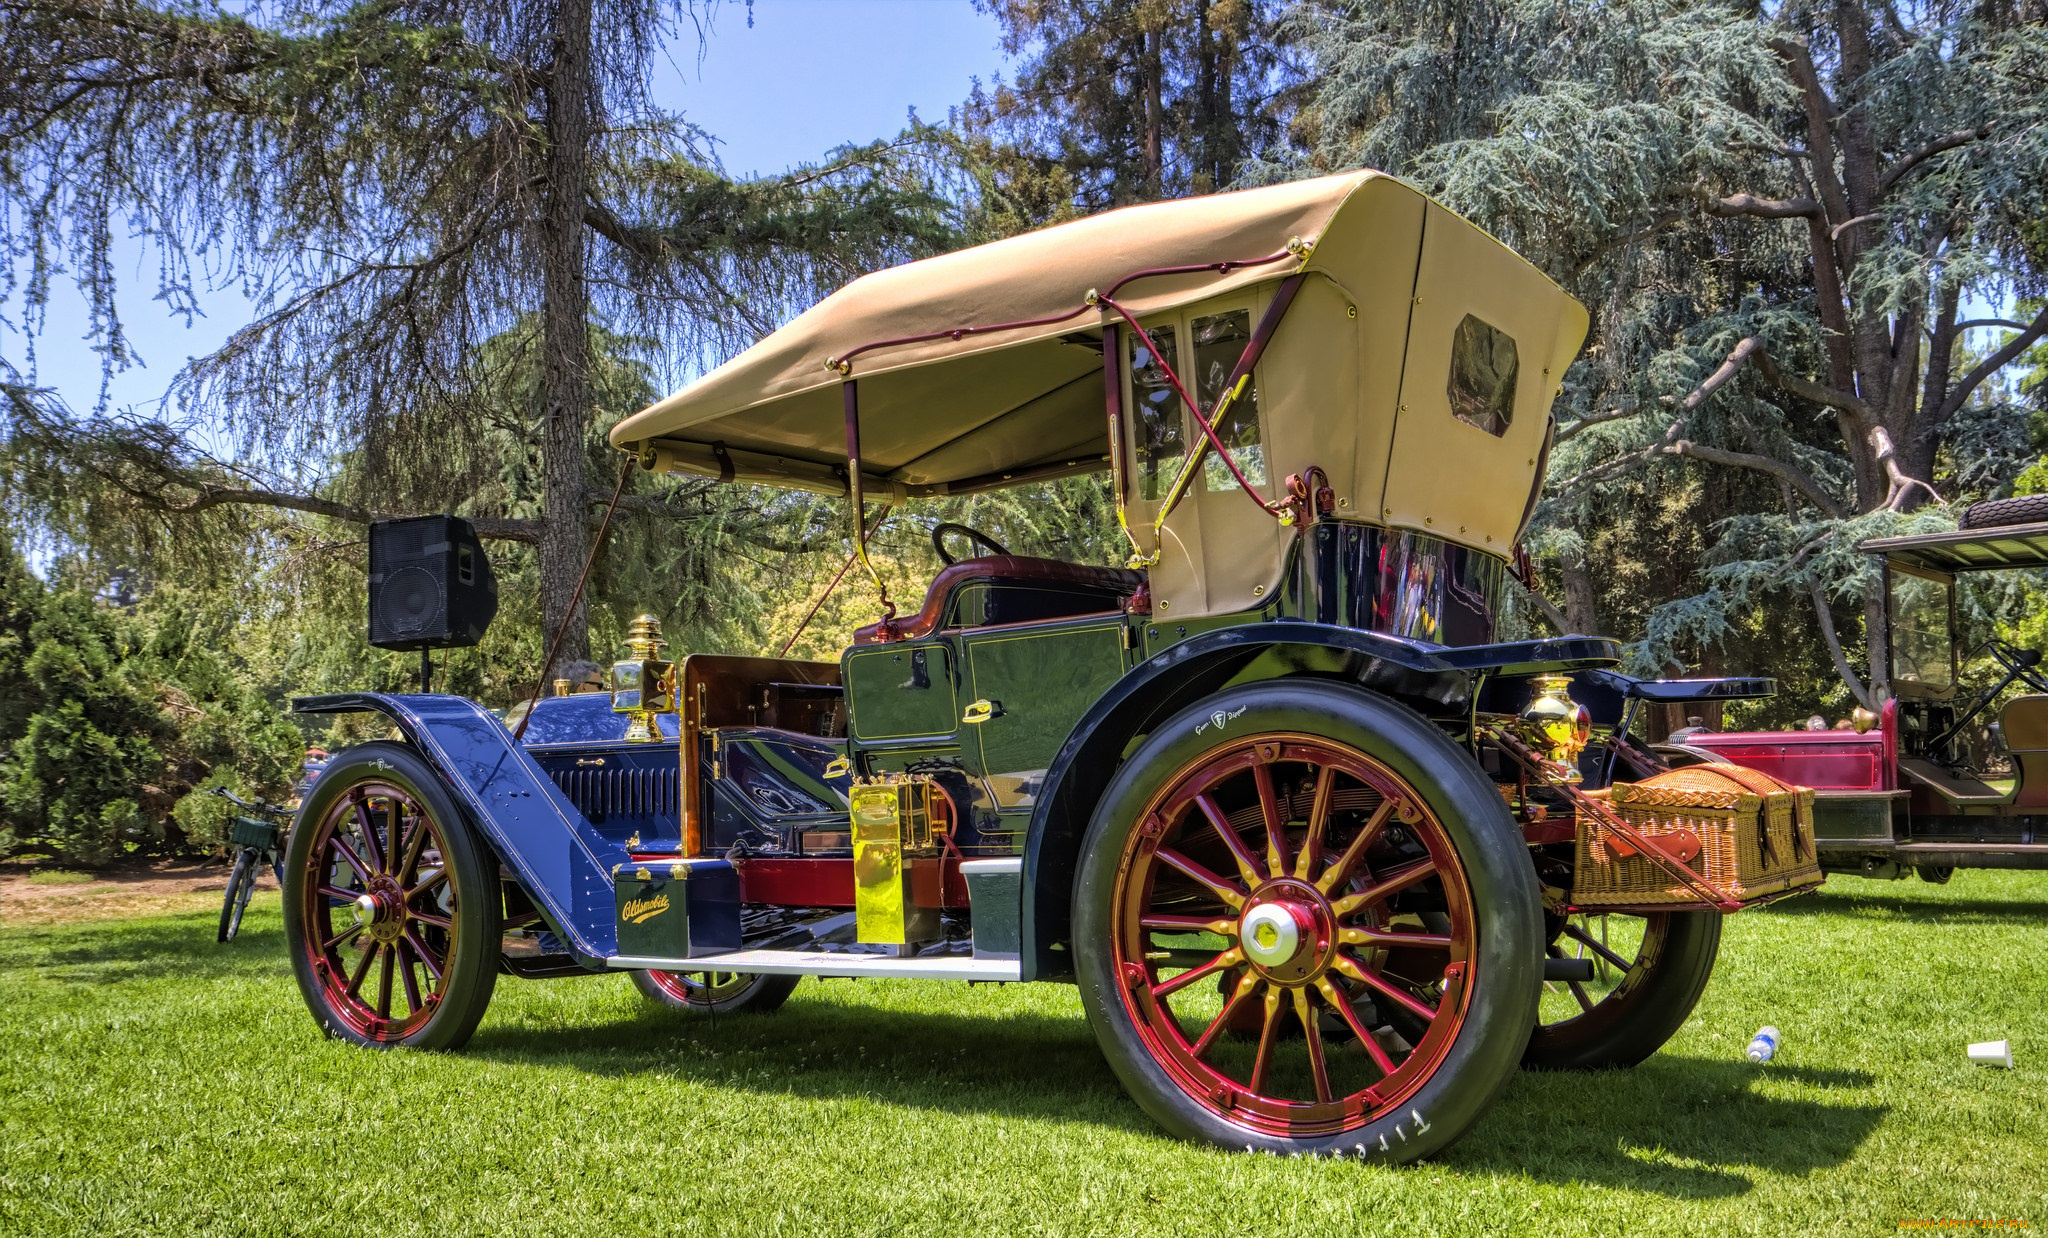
(1024, 689)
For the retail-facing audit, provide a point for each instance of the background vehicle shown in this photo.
(1306, 835)
(1920, 791)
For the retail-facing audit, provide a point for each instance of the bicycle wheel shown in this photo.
(241, 884)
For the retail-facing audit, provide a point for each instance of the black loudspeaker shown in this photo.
(430, 584)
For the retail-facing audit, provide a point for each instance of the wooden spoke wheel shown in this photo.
(392, 909)
(716, 992)
(1648, 974)
(1304, 922)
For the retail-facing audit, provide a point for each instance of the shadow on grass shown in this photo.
(183, 947)
(1681, 1127)
(1017, 1064)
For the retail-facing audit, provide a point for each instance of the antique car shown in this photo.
(1314, 844)
(1945, 775)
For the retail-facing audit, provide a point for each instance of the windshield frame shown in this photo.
(1918, 689)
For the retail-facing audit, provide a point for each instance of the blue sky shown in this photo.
(807, 76)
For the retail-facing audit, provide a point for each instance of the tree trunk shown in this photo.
(1208, 125)
(565, 335)
(1579, 595)
(1155, 115)
(1874, 629)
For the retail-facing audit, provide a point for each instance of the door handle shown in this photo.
(981, 711)
(838, 768)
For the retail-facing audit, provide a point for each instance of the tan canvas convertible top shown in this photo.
(1354, 381)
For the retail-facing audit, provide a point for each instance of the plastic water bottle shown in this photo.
(1764, 1045)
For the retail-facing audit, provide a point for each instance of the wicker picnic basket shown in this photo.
(1755, 835)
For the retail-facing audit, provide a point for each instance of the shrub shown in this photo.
(113, 719)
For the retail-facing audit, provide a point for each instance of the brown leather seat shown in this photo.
(2023, 724)
(1066, 589)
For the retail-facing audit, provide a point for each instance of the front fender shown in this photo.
(564, 863)
(1438, 680)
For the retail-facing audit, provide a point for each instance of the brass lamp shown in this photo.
(643, 685)
(1558, 725)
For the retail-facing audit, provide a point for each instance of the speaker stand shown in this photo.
(426, 671)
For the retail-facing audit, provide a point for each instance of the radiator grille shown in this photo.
(602, 793)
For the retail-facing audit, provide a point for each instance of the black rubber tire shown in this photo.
(758, 994)
(1646, 1009)
(1935, 874)
(235, 901)
(1995, 513)
(1507, 909)
(471, 968)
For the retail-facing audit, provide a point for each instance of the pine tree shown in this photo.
(1777, 216)
(1121, 101)
(394, 184)
(72, 778)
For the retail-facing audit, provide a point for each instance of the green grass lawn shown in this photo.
(153, 1082)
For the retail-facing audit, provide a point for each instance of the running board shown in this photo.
(831, 963)
(1972, 855)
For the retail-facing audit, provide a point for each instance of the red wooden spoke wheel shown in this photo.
(393, 915)
(715, 992)
(1326, 864)
(1313, 930)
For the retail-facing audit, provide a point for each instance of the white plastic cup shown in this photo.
(1992, 1053)
(1764, 1045)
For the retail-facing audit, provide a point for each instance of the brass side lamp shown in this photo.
(643, 685)
(1556, 724)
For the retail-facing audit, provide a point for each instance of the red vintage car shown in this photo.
(1946, 775)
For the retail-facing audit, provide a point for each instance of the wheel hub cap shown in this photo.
(1271, 934)
(1285, 933)
(381, 911)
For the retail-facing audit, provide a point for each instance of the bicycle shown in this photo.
(256, 841)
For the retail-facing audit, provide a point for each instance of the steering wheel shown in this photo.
(2020, 663)
(940, 531)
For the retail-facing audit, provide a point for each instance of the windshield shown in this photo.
(1922, 653)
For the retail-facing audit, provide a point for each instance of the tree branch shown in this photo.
(1946, 142)
(1748, 350)
(1807, 389)
(1826, 615)
(1655, 225)
(1784, 472)
(210, 496)
(1820, 113)
(1761, 208)
(668, 506)
(1627, 409)
(601, 219)
(1991, 365)
(1551, 613)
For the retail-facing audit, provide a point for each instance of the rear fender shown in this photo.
(561, 860)
(1436, 680)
